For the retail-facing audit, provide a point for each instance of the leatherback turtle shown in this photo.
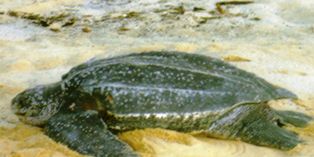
(171, 90)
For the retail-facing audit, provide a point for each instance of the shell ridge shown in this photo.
(218, 75)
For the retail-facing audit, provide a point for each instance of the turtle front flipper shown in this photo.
(85, 132)
(256, 124)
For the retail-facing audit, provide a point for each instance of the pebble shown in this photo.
(56, 27)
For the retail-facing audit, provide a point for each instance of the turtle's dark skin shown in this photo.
(171, 90)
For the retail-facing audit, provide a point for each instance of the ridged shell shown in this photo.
(168, 82)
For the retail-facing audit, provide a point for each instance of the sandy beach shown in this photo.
(42, 40)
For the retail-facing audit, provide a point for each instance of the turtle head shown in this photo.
(36, 105)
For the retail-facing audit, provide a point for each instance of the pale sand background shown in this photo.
(273, 39)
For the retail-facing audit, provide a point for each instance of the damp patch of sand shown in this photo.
(27, 141)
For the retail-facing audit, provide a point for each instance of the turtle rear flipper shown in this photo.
(256, 124)
(85, 132)
(294, 118)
